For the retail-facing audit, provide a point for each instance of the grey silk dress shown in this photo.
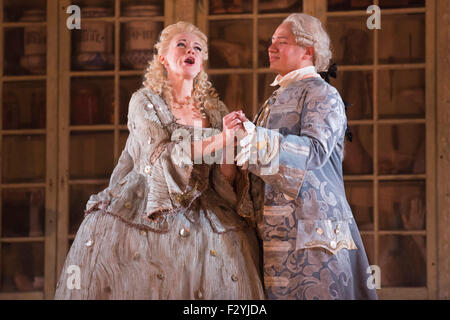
(165, 228)
(311, 243)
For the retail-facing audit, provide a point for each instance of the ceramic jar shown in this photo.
(35, 43)
(94, 42)
(11, 110)
(140, 36)
(85, 106)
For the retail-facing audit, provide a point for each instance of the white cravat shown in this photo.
(287, 79)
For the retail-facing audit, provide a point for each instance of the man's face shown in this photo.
(285, 54)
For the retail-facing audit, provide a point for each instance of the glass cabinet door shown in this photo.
(101, 65)
(28, 162)
(382, 74)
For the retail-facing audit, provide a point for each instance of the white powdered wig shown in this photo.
(309, 32)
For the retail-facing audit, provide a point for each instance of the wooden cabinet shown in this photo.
(64, 100)
(387, 77)
(28, 143)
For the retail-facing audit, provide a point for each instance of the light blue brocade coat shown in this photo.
(311, 243)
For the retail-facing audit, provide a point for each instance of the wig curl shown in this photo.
(309, 32)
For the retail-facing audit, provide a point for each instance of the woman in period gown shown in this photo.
(168, 226)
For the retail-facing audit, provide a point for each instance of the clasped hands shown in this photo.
(233, 127)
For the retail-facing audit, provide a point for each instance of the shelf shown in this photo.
(23, 132)
(23, 185)
(22, 239)
(247, 16)
(87, 181)
(386, 121)
(354, 13)
(394, 232)
(106, 73)
(23, 78)
(102, 127)
(23, 24)
(35, 295)
(231, 16)
(391, 177)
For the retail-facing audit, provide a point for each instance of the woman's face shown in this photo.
(285, 54)
(184, 56)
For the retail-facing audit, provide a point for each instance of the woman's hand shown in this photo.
(233, 127)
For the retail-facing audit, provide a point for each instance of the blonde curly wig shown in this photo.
(309, 32)
(155, 77)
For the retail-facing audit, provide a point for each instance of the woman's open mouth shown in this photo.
(189, 61)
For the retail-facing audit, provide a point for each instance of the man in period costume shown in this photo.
(294, 150)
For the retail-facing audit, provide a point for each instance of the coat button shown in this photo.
(147, 169)
(213, 252)
(319, 231)
(234, 277)
(128, 205)
(185, 232)
(89, 243)
(160, 276)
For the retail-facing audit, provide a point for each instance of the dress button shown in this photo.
(89, 243)
(333, 244)
(234, 277)
(160, 276)
(337, 229)
(147, 169)
(319, 231)
(128, 205)
(184, 232)
(112, 194)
